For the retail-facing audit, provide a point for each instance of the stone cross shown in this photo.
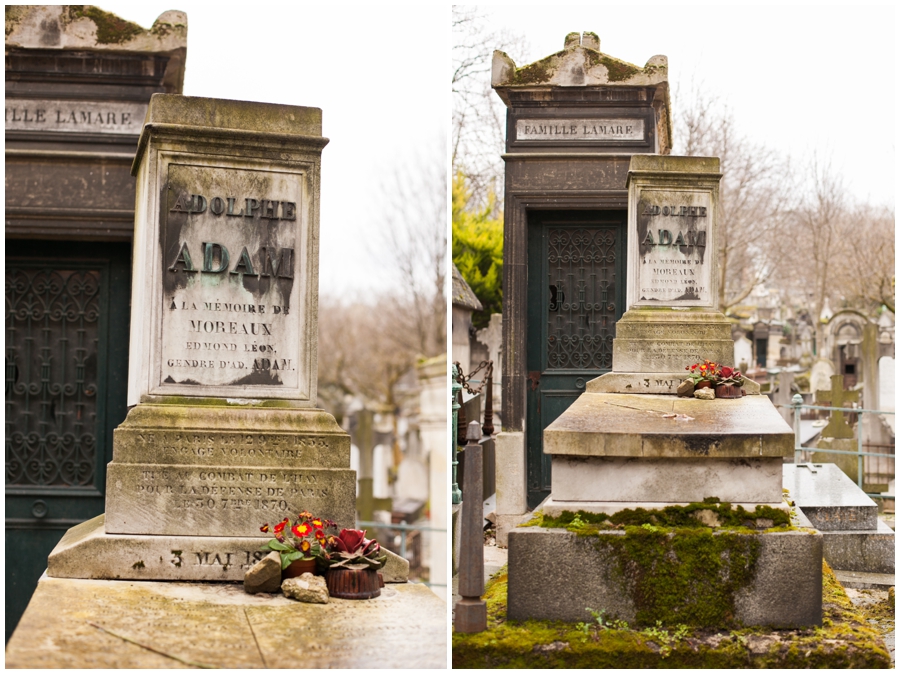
(837, 397)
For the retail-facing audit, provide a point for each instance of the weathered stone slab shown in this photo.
(829, 499)
(87, 551)
(867, 550)
(600, 478)
(652, 355)
(659, 383)
(222, 500)
(786, 590)
(608, 424)
(231, 434)
(220, 625)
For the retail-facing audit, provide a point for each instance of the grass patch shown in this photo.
(845, 640)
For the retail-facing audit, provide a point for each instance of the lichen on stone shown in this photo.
(111, 29)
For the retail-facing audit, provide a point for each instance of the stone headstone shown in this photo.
(672, 291)
(412, 480)
(820, 375)
(224, 434)
(743, 353)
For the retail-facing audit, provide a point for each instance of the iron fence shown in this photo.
(406, 541)
(876, 465)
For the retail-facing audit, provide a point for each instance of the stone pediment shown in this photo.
(579, 64)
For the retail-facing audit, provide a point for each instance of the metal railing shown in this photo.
(799, 450)
(405, 528)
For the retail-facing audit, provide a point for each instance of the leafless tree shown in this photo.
(867, 273)
(755, 194)
(479, 116)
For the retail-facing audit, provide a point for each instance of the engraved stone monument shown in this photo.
(629, 442)
(223, 433)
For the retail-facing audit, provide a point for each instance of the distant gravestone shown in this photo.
(412, 480)
(224, 434)
(886, 374)
(743, 353)
(820, 375)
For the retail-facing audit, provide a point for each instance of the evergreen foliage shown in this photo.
(478, 249)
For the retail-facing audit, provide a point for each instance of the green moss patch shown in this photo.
(110, 28)
(693, 515)
(844, 641)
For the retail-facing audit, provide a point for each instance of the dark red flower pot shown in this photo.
(728, 391)
(353, 583)
(703, 383)
(298, 568)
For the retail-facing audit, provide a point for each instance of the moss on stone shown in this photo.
(843, 643)
(688, 516)
(534, 73)
(111, 29)
(14, 14)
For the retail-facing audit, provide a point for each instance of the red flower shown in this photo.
(727, 372)
(265, 528)
(301, 530)
(304, 546)
(281, 525)
(317, 523)
(350, 540)
(305, 515)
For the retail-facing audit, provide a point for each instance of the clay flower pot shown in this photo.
(353, 583)
(728, 391)
(298, 568)
(703, 383)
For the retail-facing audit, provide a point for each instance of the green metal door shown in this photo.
(576, 293)
(67, 319)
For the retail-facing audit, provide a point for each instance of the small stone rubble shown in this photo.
(307, 588)
(265, 575)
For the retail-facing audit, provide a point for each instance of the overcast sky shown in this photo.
(798, 78)
(375, 71)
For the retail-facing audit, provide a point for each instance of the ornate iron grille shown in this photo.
(51, 375)
(581, 314)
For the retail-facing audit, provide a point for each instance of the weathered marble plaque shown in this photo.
(580, 129)
(221, 500)
(232, 281)
(674, 266)
(107, 117)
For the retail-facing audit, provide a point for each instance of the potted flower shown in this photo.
(299, 543)
(726, 381)
(352, 562)
(703, 375)
(729, 382)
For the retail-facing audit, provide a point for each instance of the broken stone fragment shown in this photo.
(265, 575)
(308, 588)
(705, 393)
(685, 389)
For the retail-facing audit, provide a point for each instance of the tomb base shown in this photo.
(88, 551)
(700, 579)
(225, 468)
(665, 340)
(552, 507)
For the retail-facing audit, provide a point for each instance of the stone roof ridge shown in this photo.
(580, 63)
(463, 296)
(89, 27)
